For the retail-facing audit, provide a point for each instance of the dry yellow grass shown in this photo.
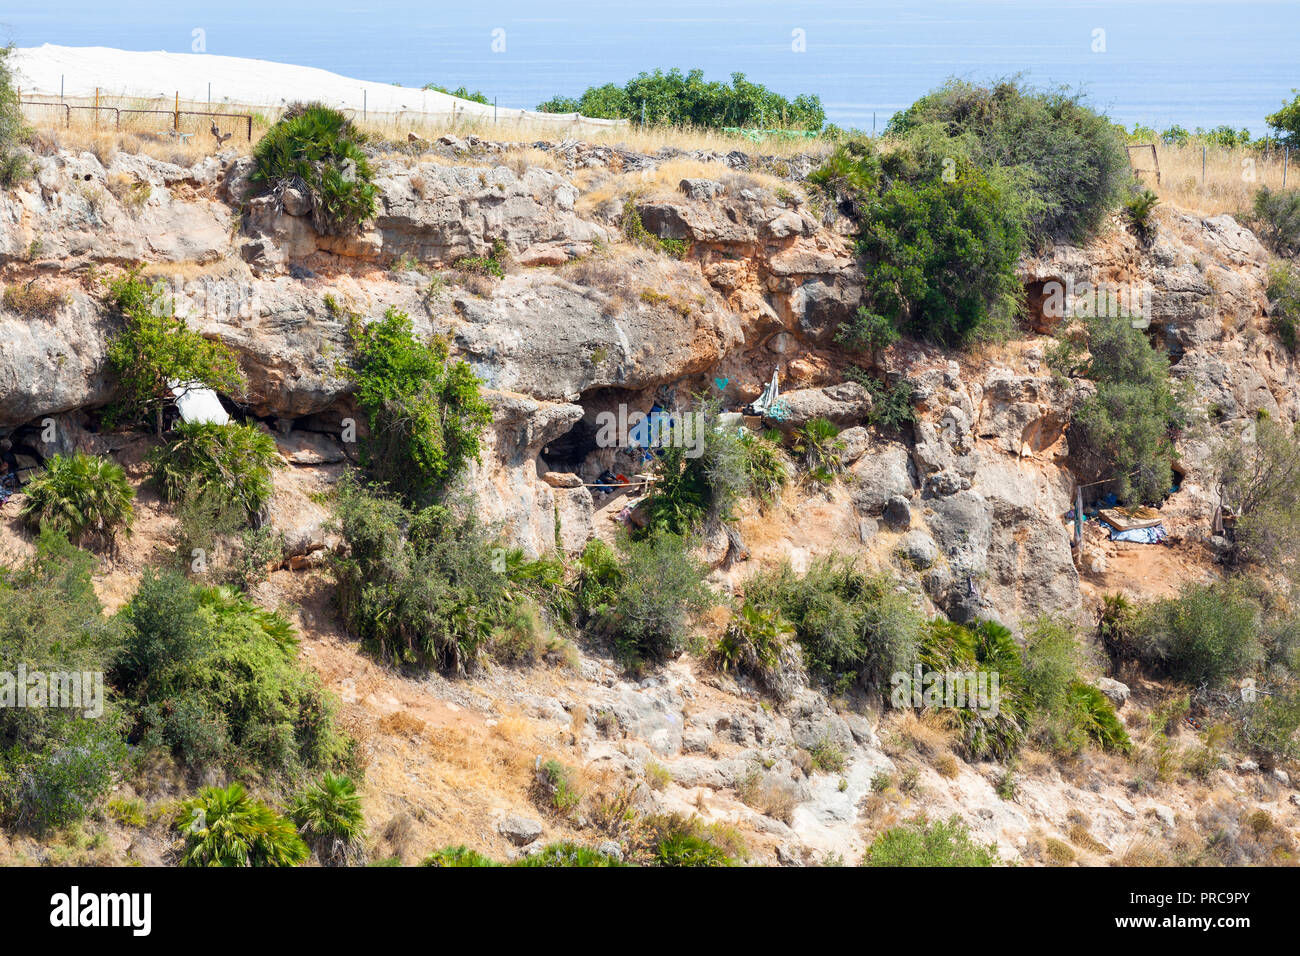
(1226, 185)
(633, 138)
(662, 182)
(104, 144)
(925, 733)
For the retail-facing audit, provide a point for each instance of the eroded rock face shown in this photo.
(53, 365)
(440, 214)
(540, 334)
(879, 475)
(533, 514)
(1204, 281)
(1021, 414)
(764, 285)
(70, 213)
(433, 214)
(845, 405)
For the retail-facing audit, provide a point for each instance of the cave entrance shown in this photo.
(1044, 296)
(570, 451)
(597, 447)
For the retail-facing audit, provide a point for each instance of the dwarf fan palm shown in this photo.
(80, 495)
(227, 827)
(329, 818)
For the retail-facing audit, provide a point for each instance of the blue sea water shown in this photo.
(1156, 62)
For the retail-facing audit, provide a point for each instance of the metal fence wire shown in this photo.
(174, 122)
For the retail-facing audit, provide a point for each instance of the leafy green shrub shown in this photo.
(14, 165)
(1284, 303)
(457, 856)
(1276, 218)
(461, 92)
(489, 265)
(891, 403)
(677, 840)
(1207, 635)
(765, 467)
(425, 412)
(417, 586)
(687, 99)
(1071, 161)
(55, 761)
(643, 598)
(939, 246)
(232, 461)
(635, 231)
(1286, 121)
(1068, 713)
(554, 788)
(1121, 435)
(567, 854)
(853, 627)
(600, 575)
(156, 350)
(942, 216)
(681, 500)
(1259, 476)
(760, 643)
(922, 842)
(213, 678)
(227, 827)
(699, 484)
(1269, 728)
(521, 636)
(81, 496)
(827, 756)
(868, 333)
(317, 150)
(329, 818)
(59, 783)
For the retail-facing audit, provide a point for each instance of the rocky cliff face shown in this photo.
(584, 320)
(968, 508)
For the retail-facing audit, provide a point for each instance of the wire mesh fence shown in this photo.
(176, 122)
(177, 117)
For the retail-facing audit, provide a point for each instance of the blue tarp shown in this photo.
(1153, 535)
(652, 431)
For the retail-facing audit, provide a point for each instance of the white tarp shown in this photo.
(198, 404)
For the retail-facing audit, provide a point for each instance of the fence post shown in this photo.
(176, 117)
(1204, 150)
(96, 109)
(494, 111)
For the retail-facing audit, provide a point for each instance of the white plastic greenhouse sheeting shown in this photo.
(199, 404)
